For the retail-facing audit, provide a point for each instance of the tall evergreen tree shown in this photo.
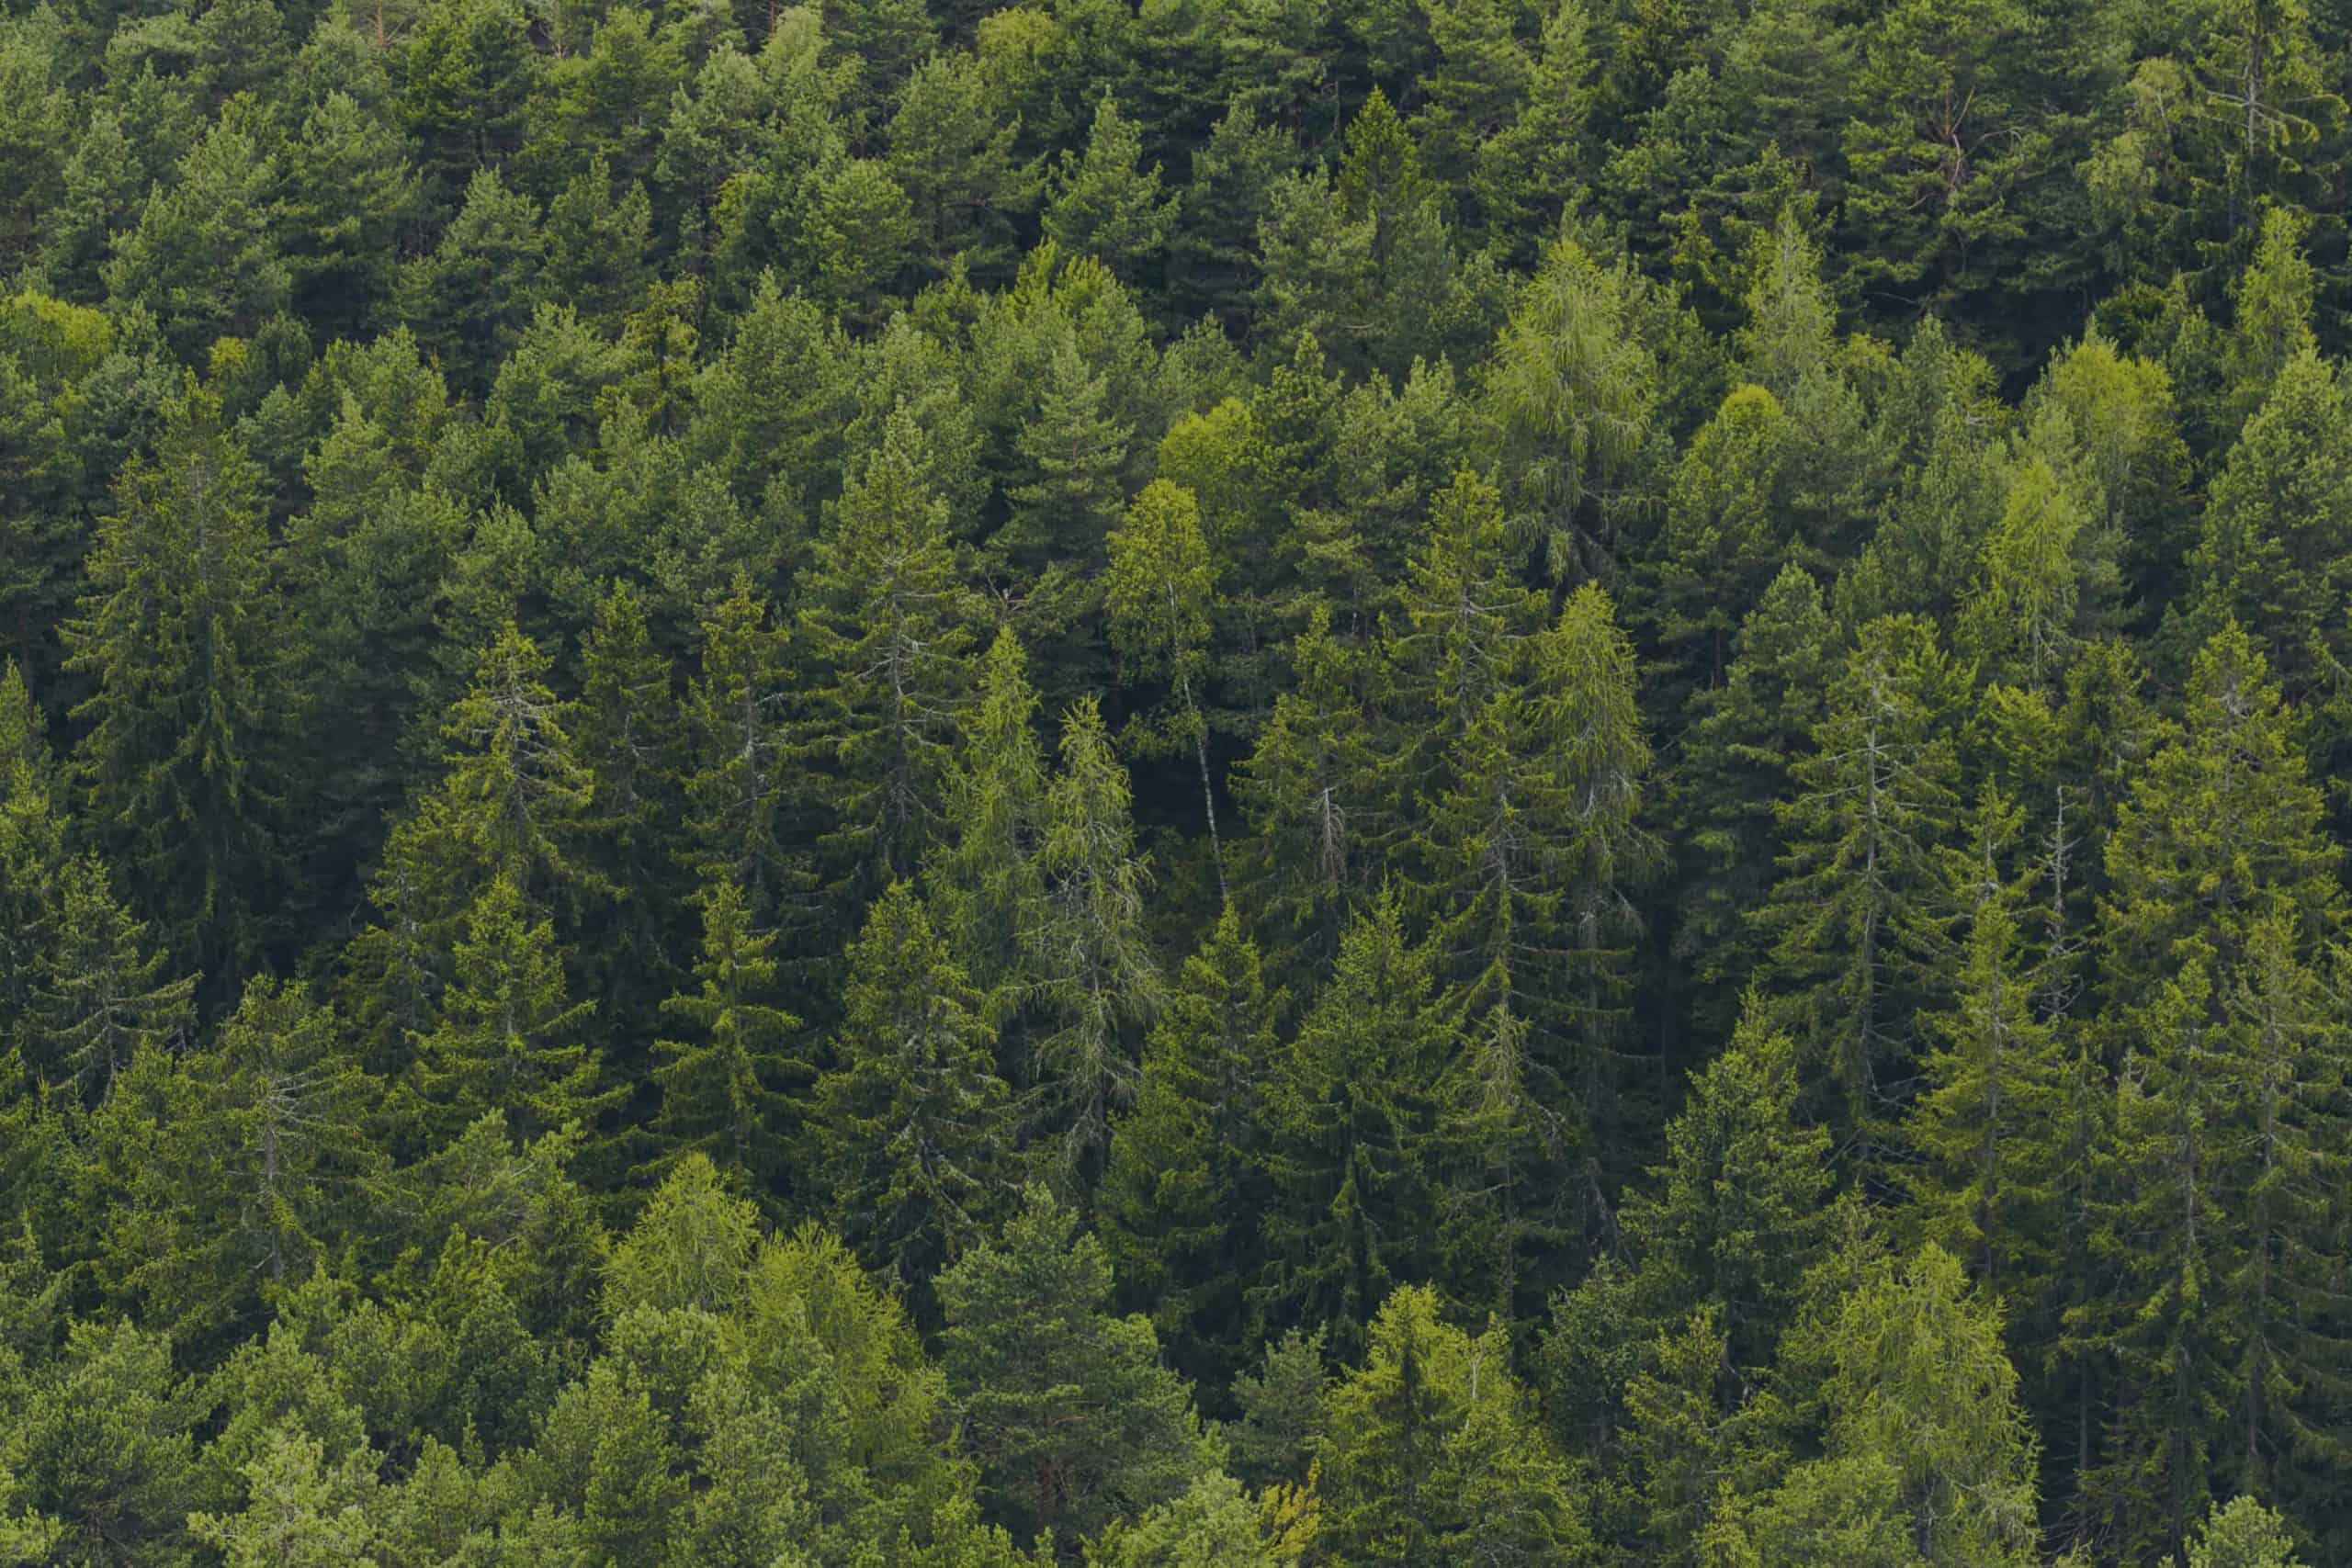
(1352, 1109)
(729, 1094)
(1187, 1171)
(1877, 794)
(183, 764)
(912, 1118)
(1093, 959)
(886, 624)
(509, 1038)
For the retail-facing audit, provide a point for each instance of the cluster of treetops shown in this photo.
(1234, 784)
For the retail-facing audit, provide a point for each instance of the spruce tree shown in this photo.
(1733, 772)
(911, 1121)
(740, 780)
(1187, 1170)
(627, 728)
(509, 1038)
(1098, 979)
(101, 995)
(2276, 554)
(1352, 1108)
(1310, 792)
(1991, 1119)
(1428, 1455)
(234, 1168)
(1159, 590)
(183, 763)
(885, 623)
(730, 1092)
(1874, 798)
(987, 884)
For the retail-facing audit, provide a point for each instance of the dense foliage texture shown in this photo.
(1175, 783)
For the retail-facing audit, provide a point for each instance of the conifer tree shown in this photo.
(1991, 1119)
(1875, 797)
(182, 761)
(987, 884)
(1187, 1171)
(1528, 170)
(233, 1168)
(2276, 555)
(509, 1038)
(1310, 792)
(1072, 1418)
(101, 996)
(1098, 979)
(2222, 827)
(739, 784)
(1724, 534)
(1733, 1218)
(1105, 205)
(628, 730)
(1161, 586)
(1428, 1455)
(2164, 1318)
(912, 1118)
(1924, 1387)
(1734, 769)
(886, 624)
(729, 1094)
(1573, 391)
(204, 256)
(516, 798)
(1351, 1105)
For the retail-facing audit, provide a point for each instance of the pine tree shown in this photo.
(1528, 170)
(471, 298)
(1092, 957)
(1351, 1105)
(911, 1121)
(351, 192)
(182, 762)
(509, 1039)
(1107, 206)
(1065, 1408)
(1187, 1168)
(729, 1094)
(204, 258)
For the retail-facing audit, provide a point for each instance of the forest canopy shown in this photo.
(1193, 783)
